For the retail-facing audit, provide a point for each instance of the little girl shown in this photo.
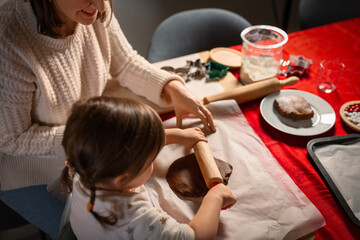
(111, 144)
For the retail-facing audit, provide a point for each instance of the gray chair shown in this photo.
(313, 13)
(37, 206)
(9, 219)
(194, 31)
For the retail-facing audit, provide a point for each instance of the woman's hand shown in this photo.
(185, 101)
(187, 137)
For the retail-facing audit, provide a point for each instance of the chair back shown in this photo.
(195, 30)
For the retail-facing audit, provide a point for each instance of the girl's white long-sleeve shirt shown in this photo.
(137, 217)
(42, 77)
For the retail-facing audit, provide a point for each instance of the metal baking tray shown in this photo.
(338, 191)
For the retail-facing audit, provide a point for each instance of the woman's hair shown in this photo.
(48, 21)
(106, 137)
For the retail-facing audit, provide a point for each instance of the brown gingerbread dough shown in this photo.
(185, 178)
(294, 107)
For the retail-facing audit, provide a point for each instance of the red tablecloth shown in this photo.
(335, 41)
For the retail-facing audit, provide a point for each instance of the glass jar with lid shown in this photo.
(262, 51)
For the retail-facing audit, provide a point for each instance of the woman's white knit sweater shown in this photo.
(42, 77)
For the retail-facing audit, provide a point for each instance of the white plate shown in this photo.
(323, 119)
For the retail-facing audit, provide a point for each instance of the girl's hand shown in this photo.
(187, 137)
(206, 221)
(185, 101)
(222, 191)
(190, 136)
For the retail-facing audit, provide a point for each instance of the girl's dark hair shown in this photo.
(106, 137)
(49, 22)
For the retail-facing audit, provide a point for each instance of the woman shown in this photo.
(53, 53)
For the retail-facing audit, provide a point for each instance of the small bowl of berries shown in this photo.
(350, 114)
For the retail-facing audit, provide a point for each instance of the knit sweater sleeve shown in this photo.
(133, 71)
(19, 134)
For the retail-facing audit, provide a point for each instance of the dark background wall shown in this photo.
(139, 18)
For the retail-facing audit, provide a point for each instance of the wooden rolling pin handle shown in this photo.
(252, 91)
(288, 81)
(207, 164)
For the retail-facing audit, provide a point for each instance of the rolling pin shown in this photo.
(207, 164)
(252, 91)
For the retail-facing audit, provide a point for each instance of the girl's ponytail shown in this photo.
(111, 219)
(66, 177)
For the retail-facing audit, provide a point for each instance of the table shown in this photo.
(334, 41)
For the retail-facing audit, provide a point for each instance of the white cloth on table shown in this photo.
(269, 204)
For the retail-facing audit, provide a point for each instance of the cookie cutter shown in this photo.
(193, 70)
(216, 70)
(296, 66)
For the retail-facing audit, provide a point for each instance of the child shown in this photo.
(111, 144)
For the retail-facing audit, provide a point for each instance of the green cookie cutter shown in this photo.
(216, 70)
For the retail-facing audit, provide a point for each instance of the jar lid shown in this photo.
(264, 36)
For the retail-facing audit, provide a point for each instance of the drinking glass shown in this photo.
(329, 74)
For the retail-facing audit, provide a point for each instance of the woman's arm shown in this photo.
(132, 71)
(187, 102)
(19, 134)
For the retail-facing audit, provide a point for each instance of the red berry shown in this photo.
(353, 108)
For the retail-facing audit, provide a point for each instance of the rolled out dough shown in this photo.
(185, 178)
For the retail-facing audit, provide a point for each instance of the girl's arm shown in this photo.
(187, 137)
(205, 222)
